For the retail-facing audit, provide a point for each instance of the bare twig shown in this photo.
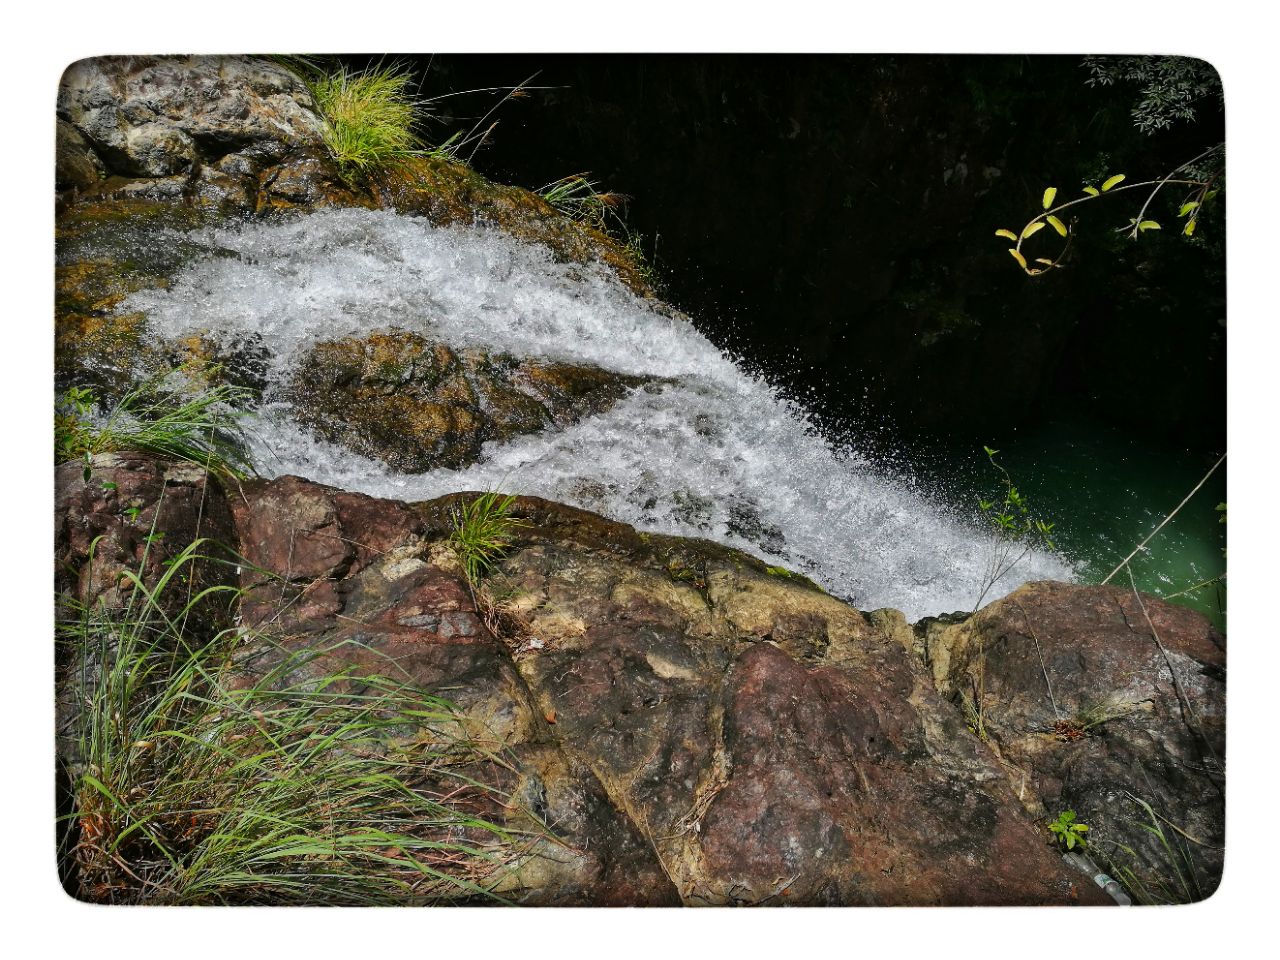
(1193, 720)
(1163, 522)
(1030, 629)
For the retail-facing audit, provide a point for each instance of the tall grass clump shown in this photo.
(369, 116)
(483, 530)
(193, 781)
(161, 415)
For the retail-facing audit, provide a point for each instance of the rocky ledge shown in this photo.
(688, 726)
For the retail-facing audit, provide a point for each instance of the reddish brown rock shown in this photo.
(1080, 700)
(118, 513)
(674, 724)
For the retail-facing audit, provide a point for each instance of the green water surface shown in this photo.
(1105, 492)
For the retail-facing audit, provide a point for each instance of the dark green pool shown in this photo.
(1105, 492)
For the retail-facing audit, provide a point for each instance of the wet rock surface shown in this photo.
(241, 136)
(415, 404)
(689, 727)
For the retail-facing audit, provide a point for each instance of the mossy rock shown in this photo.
(415, 404)
(446, 193)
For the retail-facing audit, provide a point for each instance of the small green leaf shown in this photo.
(1187, 208)
(1148, 225)
(1049, 194)
(1091, 191)
(990, 452)
(1111, 182)
(1190, 228)
(1032, 228)
(1007, 233)
(1057, 225)
(1022, 261)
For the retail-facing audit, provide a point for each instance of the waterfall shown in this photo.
(705, 449)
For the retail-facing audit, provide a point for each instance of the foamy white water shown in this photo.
(715, 453)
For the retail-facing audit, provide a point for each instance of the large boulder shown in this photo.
(1109, 704)
(677, 723)
(238, 132)
(161, 116)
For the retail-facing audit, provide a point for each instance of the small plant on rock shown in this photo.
(1067, 832)
(483, 530)
(580, 200)
(1015, 530)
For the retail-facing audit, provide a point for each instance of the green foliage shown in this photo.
(369, 116)
(1066, 832)
(373, 117)
(163, 415)
(193, 782)
(974, 707)
(483, 530)
(581, 200)
(1170, 88)
(1015, 529)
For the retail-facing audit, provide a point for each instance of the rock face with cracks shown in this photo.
(688, 727)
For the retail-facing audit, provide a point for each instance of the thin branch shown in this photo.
(1163, 522)
(1142, 213)
(1198, 586)
(1194, 721)
(1044, 669)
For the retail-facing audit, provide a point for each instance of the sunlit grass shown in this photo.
(483, 529)
(369, 116)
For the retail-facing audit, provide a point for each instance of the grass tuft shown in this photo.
(579, 199)
(161, 416)
(192, 782)
(483, 529)
(369, 116)
(1163, 868)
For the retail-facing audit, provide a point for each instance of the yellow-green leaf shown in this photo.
(1187, 208)
(1057, 225)
(1022, 261)
(1111, 182)
(1049, 194)
(1148, 225)
(1032, 228)
(1091, 191)
(1047, 263)
(1007, 233)
(1190, 228)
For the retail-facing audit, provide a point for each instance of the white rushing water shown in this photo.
(714, 453)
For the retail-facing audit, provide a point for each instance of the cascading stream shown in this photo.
(710, 451)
